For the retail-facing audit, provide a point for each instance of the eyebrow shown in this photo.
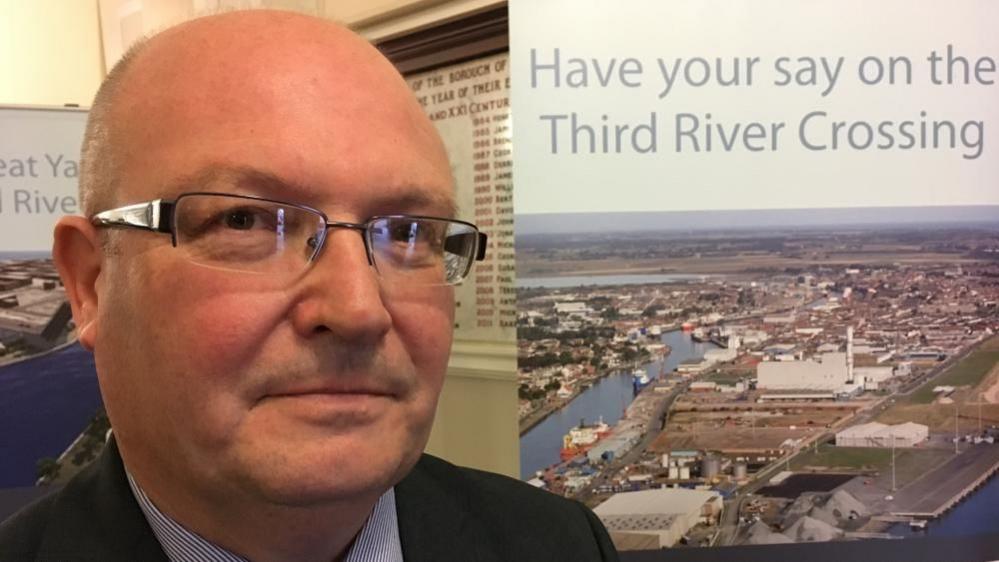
(272, 185)
(417, 199)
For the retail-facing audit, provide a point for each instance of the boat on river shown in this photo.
(582, 438)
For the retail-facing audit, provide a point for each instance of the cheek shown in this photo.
(223, 332)
(212, 325)
(424, 325)
(176, 361)
(197, 350)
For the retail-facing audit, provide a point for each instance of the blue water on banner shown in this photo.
(45, 403)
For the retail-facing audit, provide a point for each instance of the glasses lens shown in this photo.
(422, 251)
(246, 234)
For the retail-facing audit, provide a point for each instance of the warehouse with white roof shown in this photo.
(657, 518)
(828, 371)
(876, 434)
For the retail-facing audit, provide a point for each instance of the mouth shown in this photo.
(344, 388)
(343, 408)
(330, 394)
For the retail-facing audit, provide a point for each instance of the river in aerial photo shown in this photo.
(606, 399)
(45, 402)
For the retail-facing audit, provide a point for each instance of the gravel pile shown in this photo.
(810, 529)
(843, 505)
(760, 533)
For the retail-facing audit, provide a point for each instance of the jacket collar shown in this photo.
(96, 517)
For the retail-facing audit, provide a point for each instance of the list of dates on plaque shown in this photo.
(469, 103)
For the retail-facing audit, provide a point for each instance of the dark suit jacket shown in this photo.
(445, 514)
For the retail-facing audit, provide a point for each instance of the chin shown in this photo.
(329, 471)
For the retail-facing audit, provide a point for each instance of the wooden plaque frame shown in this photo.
(472, 36)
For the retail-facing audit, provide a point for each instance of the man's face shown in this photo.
(301, 389)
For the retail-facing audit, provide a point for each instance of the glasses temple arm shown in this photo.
(457, 244)
(480, 250)
(154, 215)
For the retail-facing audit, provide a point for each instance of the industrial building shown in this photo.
(703, 386)
(614, 446)
(711, 358)
(830, 371)
(657, 518)
(572, 312)
(876, 434)
(33, 309)
(873, 377)
(827, 371)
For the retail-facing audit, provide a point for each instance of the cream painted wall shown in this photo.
(476, 422)
(50, 52)
(123, 21)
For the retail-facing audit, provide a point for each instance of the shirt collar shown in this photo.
(378, 540)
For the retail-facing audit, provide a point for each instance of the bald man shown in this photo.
(265, 277)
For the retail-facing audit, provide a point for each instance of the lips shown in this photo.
(330, 391)
(341, 384)
(359, 388)
(329, 409)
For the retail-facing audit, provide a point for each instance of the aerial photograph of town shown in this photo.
(763, 384)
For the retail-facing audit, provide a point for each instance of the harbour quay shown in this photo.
(943, 487)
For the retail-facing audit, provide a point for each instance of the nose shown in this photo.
(341, 294)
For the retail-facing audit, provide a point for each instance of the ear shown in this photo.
(77, 253)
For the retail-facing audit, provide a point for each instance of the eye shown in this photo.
(240, 220)
(402, 231)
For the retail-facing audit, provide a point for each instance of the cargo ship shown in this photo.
(582, 438)
(639, 380)
(699, 335)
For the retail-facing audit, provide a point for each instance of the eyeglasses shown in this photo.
(256, 235)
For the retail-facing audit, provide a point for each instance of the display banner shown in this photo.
(39, 165)
(49, 399)
(757, 245)
(754, 105)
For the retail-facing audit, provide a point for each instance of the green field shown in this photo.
(847, 458)
(909, 463)
(967, 372)
(724, 378)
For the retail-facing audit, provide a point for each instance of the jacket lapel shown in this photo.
(96, 517)
(433, 514)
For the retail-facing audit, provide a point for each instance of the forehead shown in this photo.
(313, 113)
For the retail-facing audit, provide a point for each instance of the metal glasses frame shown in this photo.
(158, 216)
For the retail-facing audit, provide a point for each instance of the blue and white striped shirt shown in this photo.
(378, 540)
